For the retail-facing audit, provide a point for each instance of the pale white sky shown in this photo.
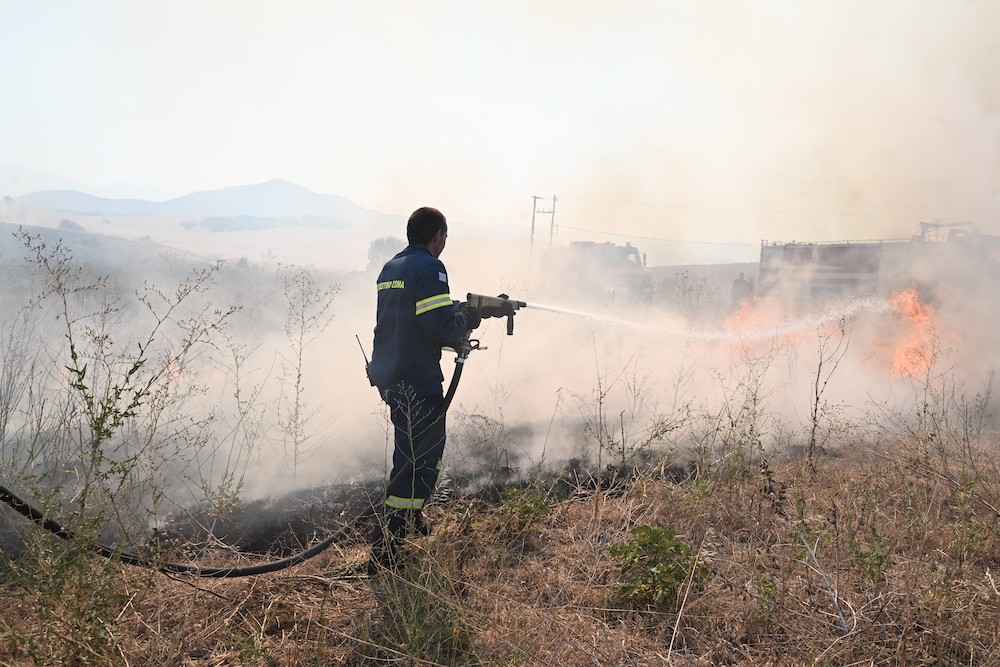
(711, 120)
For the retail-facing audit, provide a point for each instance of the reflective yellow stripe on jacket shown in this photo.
(432, 302)
(396, 502)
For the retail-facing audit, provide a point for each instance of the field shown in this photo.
(883, 555)
(683, 532)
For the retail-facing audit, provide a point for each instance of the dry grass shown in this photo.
(880, 557)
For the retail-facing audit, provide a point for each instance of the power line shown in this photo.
(743, 209)
(656, 238)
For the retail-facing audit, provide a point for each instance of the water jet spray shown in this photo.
(840, 311)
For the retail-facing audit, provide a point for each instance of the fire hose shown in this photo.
(487, 306)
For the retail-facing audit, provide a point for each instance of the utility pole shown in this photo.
(534, 210)
(552, 221)
(552, 225)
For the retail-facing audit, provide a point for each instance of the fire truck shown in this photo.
(607, 272)
(940, 253)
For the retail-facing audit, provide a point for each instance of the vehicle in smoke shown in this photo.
(955, 254)
(606, 272)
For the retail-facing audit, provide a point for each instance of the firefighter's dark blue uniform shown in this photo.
(415, 318)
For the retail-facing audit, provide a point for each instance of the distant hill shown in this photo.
(273, 199)
(108, 253)
(73, 201)
(16, 181)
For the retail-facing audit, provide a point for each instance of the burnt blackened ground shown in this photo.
(281, 526)
(284, 525)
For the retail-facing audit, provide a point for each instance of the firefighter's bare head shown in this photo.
(427, 227)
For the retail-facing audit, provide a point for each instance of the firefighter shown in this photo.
(415, 318)
(742, 290)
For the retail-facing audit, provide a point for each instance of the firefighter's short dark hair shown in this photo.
(423, 224)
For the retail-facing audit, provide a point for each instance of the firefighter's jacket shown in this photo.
(416, 317)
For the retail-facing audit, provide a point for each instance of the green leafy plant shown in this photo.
(655, 565)
(872, 555)
(521, 509)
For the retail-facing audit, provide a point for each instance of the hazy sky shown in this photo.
(709, 120)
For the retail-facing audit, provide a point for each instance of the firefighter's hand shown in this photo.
(472, 316)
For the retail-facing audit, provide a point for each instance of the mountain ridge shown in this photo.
(17, 181)
(274, 198)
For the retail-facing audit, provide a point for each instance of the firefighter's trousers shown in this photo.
(419, 426)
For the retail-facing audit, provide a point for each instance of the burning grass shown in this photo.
(913, 352)
(881, 555)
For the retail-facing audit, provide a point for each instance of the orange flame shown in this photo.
(761, 318)
(914, 351)
(742, 318)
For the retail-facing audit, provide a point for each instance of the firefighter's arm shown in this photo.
(437, 315)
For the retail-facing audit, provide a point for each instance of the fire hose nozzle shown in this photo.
(495, 306)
